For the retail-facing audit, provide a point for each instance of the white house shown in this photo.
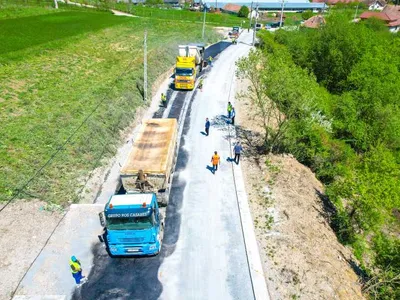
(376, 5)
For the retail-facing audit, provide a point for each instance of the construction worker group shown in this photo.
(237, 149)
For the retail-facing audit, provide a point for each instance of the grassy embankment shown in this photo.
(56, 67)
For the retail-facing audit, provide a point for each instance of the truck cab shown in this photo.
(185, 73)
(189, 63)
(133, 225)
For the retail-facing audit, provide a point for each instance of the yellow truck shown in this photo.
(189, 63)
(153, 154)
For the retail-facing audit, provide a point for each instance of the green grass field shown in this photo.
(55, 68)
(166, 12)
(181, 15)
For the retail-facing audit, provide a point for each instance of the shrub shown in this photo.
(243, 12)
(306, 14)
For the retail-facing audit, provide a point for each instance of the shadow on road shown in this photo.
(210, 168)
(230, 159)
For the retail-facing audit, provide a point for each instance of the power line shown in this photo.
(145, 66)
(66, 142)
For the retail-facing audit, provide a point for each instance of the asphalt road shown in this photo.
(203, 254)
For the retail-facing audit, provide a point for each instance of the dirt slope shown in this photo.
(24, 229)
(302, 257)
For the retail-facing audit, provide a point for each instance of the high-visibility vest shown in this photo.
(163, 98)
(215, 159)
(230, 107)
(75, 266)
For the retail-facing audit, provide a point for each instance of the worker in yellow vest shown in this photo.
(210, 60)
(215, 160)
(76, 269)
(229, 109)
(164, 100)
(201, 81)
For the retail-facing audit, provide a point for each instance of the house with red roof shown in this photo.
(372, 4)
(390, 15)
(314, 22)
(334, 2)
(231, 8)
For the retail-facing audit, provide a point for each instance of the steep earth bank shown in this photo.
(301, 255)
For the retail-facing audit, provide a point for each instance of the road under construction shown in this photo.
(209, 249)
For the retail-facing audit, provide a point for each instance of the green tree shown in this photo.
(243, 12)
(306, 14)
(330, 97)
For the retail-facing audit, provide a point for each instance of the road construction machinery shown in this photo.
(189, 63)
(132, 218)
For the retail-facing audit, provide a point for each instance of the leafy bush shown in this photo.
(306, 14)
(342, 120)
(243, 12)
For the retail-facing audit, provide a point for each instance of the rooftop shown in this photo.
(232, 7)
(131, 199)
(295, 5)
(385, 16)
(314, 22)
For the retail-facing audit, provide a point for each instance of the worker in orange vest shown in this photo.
(215, 160)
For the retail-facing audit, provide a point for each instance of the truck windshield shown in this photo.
(184, 72)
(134, 223)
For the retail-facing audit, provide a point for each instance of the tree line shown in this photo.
(331, 97)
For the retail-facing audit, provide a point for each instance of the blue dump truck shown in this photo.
(132, 219)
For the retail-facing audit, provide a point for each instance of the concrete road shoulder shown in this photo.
(50, 277)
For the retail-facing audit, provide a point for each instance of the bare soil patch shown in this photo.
(24, 228)
(223, 31)
(302, 258)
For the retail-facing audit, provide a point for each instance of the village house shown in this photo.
(390, 15)
(314, 22)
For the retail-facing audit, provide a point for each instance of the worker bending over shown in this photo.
(164, 100)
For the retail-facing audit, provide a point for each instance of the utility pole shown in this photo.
(280, 22)
(355, 15)
(56, 4)
(251, 14)
(204, 21)
(145, 67)
(255, 24)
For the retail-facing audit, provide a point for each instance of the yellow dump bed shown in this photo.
(153, 151)
(185, 62)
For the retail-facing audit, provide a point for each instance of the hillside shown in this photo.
(329, 98)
